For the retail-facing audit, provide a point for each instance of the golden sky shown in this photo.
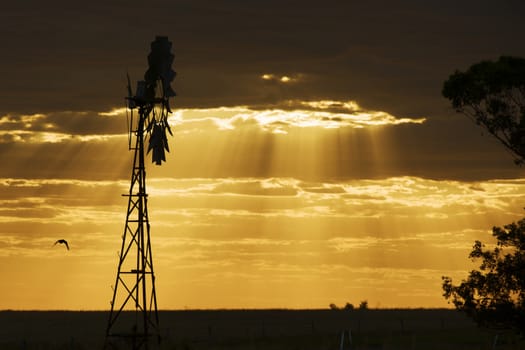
(302, 239)
(310, 164)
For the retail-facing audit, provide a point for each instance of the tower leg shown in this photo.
(133, 318)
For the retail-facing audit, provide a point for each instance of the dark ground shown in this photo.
(261, 329)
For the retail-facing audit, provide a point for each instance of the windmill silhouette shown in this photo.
(134, 289)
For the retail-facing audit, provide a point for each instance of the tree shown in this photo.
(363, 305)
(349, 306)
(494, 295)
(492, 94)
(333, 307)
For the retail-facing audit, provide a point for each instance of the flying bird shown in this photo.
(62, 241)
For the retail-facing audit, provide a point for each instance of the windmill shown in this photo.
(133, 317)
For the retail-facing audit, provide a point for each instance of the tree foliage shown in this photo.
(349, 306)
(493, 95)
(494, 295)
(333, 307)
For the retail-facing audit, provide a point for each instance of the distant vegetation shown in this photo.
(363, 305)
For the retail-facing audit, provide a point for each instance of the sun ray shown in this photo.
(300, 196)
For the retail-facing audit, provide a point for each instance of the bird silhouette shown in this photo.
(62, 241)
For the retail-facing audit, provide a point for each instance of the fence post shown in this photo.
(495, 342)
(342, 344)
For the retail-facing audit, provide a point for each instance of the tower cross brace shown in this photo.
(134, 287)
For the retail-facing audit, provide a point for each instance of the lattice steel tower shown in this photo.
(133, 319)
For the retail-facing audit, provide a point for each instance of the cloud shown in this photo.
(308, 139)
(56, 127)
(358, 209)
(269, 187)
(86, 126)
(284, 232)
(283, 79)
(322, 114)
(277, 200)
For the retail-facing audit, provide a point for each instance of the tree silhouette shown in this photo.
(492, 94)
(333, 307)
(494, 295)
(363, 305)
(349, 306)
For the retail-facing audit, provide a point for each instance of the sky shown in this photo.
(313, 159)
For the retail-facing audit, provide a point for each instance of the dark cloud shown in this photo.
(86, 123)
(69, 159)
(64, 57)
(387, 56)
(65, 122)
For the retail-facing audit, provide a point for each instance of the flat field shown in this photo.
(262, 329)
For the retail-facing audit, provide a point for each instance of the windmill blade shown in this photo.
(155, 139)
(165, 139)
(167, 104)
(167, 125)
(158, 156)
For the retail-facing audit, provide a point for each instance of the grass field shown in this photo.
(261, 329)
